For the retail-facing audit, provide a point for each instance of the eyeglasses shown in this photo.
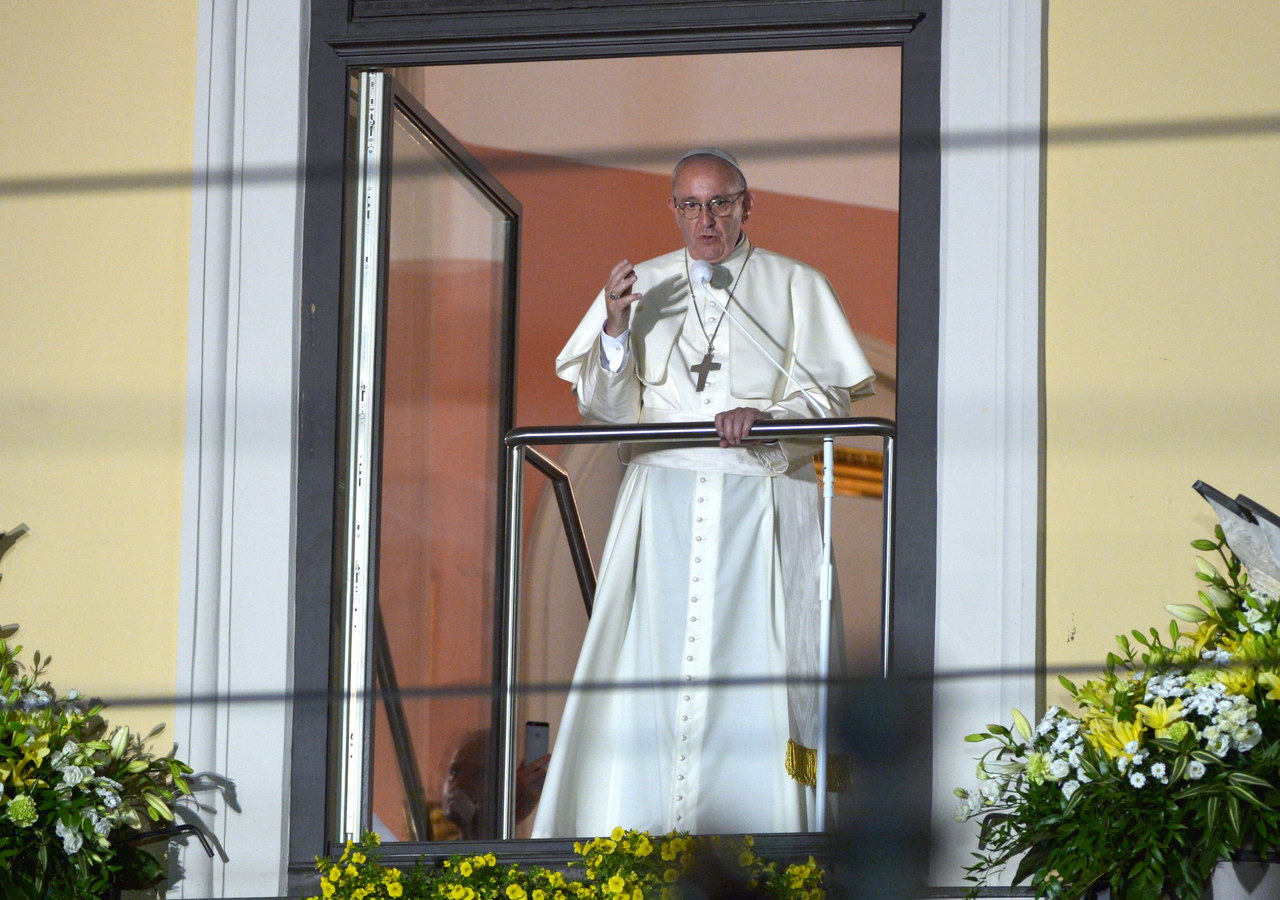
(717, 206)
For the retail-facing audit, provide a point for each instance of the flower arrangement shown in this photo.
(627, 865)
(1170, 762)
(74, 794)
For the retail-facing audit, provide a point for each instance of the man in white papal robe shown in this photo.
(710, 571)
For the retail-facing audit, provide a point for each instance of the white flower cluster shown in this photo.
(1233, 727)
(1064, 751)
(1057, 749)
(1132, 761)
(988, 793)
(96, 821)
(1227, 720)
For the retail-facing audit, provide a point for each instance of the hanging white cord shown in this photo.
(825, 585)
(813, 404)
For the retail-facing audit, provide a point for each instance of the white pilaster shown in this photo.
(236, 602)
(989, 391)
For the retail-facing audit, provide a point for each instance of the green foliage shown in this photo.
(73, 791)
(627, 865)
(1169, 763)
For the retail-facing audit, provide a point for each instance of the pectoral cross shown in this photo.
(703, 369)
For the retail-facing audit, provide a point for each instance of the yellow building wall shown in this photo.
(1162, 335)
(94, 281)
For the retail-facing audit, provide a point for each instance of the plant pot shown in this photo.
(1247, 880)
(1244, 881)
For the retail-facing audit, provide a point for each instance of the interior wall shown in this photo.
(1160, 322)
(568, 248)
(640, 113)
(94, 269)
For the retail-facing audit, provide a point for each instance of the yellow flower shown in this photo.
(616, 884)
(350, 871)
(395, 889)
(637, 894)
(335, 874)
(490, 859)
(671, 876)
(326, 889)
(539, 894)
(1111, 736)
(1271, 681)
(1160, 715)
(617, 833)
(1238, 679)
(465, 868)
(669, 851)
(515, 892)
(746, 858)
(357, 858)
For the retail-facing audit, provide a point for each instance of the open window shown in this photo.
(451, 233)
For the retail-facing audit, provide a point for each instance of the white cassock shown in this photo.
(710, 569)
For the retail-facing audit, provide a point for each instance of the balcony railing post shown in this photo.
(511, 655)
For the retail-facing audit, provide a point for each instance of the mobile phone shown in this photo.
(537, 740)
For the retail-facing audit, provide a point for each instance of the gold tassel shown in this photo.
(802, 765)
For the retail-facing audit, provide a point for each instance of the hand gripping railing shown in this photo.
(518, 443)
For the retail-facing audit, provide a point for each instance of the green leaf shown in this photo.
(1244, 778)
(1244, 794)
(1205, 545)
(1067, 683)
(1202, 787)
(1233, 814)
(977, 738)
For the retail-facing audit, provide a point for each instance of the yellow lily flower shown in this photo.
(1159, 715)
(1111, 736)
(1271, 681)
(1238, 679)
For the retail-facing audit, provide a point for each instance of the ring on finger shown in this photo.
(613, 295)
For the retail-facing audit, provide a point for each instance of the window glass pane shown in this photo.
(438, 490)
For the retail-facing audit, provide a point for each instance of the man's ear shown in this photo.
(671, 203)
(748, 201)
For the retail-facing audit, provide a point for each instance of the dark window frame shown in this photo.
(348, 34)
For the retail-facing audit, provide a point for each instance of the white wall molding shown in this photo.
(237, 565)
(989, 469)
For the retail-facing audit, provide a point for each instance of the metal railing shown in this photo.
(519, 443)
